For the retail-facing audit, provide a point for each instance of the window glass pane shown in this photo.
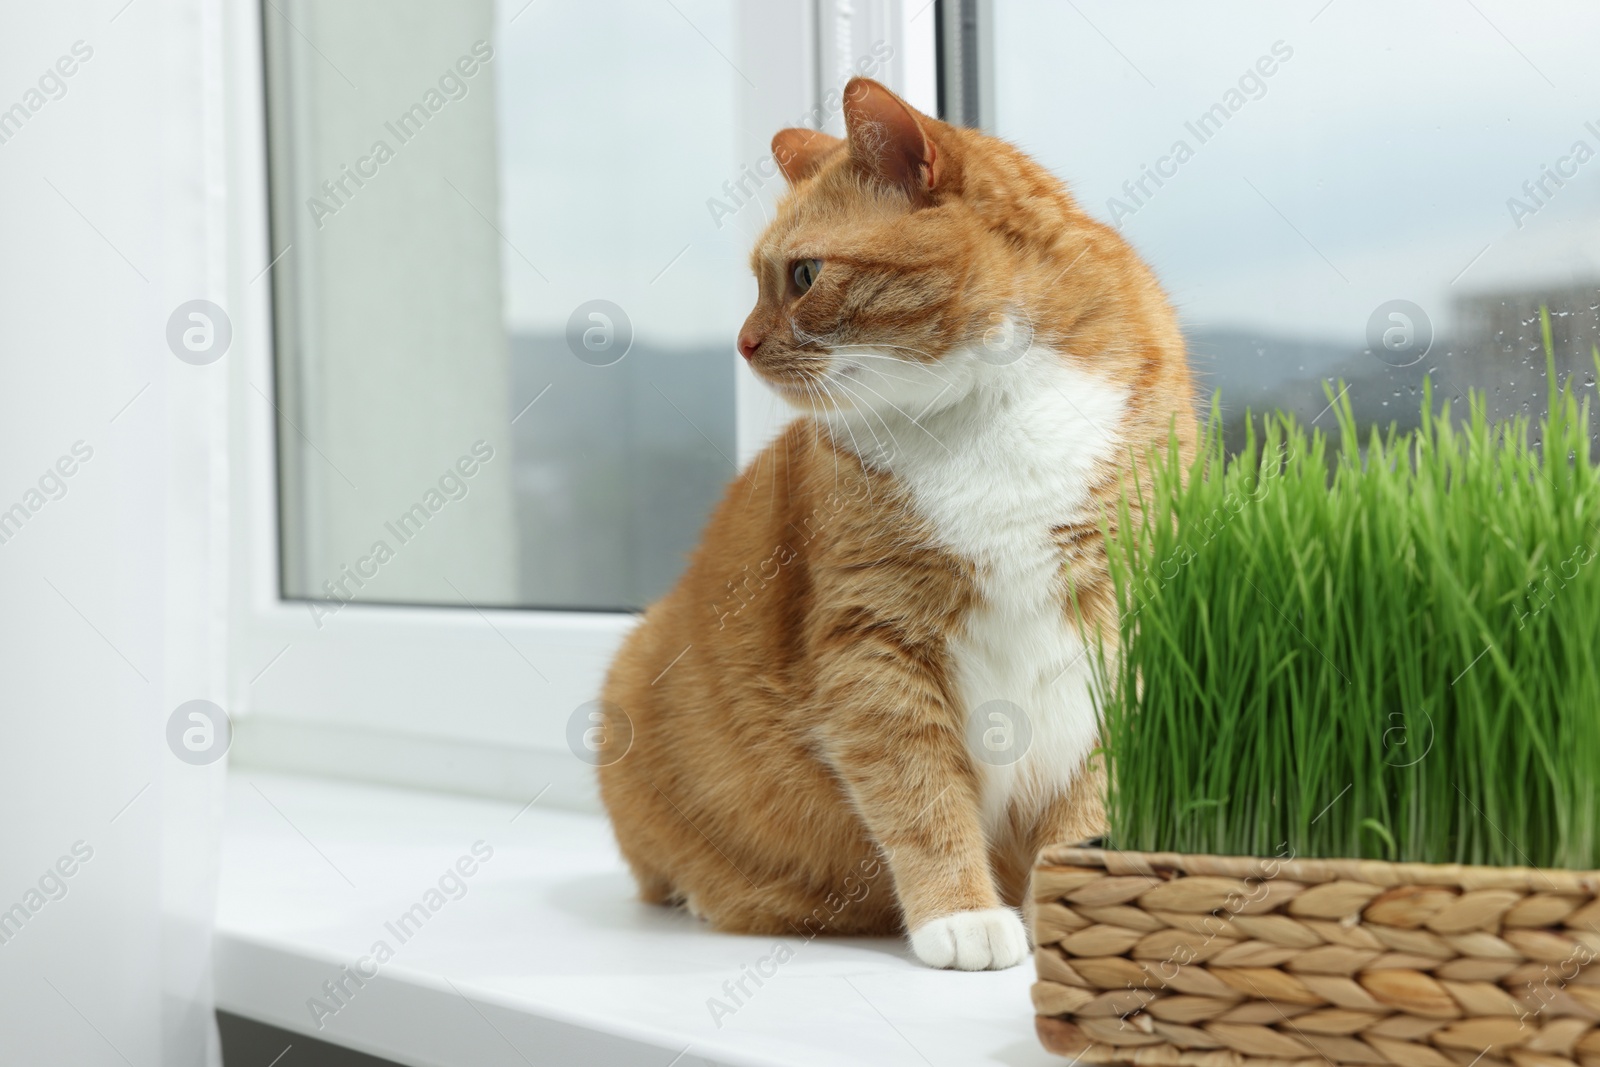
(503, 314)
(1358, 190)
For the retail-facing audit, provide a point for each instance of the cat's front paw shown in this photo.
(991, 939)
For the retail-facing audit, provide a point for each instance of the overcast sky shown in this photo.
(617, 125)
(1390, 140)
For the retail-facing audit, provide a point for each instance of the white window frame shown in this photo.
(443, 697)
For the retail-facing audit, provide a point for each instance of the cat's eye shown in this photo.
(805, 273)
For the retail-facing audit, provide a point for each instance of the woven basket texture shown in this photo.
(1219, 961)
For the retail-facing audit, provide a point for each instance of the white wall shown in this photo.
(107, 594)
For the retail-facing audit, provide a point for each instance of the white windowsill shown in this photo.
(554, 960)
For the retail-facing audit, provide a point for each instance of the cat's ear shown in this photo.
(799, 152)
(889, 139)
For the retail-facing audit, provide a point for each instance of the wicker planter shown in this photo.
(1157, 958)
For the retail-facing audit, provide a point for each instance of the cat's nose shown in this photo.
(748, 343)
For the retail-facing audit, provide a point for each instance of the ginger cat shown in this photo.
(865, 706)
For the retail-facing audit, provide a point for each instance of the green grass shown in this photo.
(1400, 660)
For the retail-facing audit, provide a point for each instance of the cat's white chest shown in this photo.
(994, 477)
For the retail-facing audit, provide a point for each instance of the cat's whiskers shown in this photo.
(816, 433)
(855, 445)
(866, 410)
(901, 378)
(934, 437)
(872, 348)
(791, 384)
(876, 351)
(924, 368)
(869, 412)
(871, 352)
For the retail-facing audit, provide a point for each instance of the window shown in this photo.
(490, 391)
(1348, 190)
(503, 317)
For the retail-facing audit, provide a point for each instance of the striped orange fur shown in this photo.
(975, 361)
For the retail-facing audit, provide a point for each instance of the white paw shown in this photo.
(987, 940)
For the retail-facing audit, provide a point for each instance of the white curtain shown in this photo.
(113, 479)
